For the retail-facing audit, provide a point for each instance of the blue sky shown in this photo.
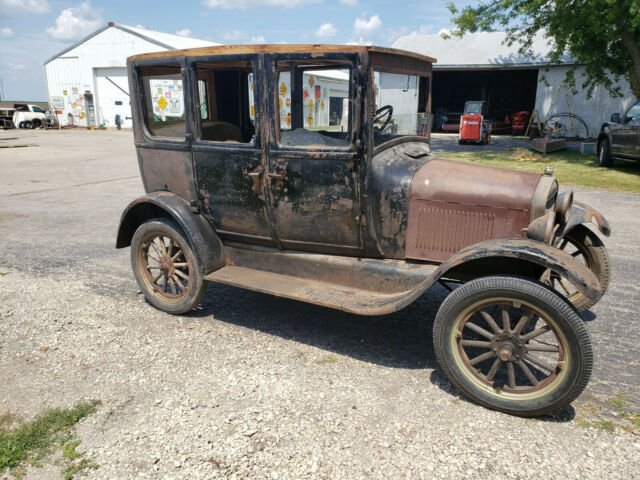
(31, 31)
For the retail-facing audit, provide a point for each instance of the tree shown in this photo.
(604, 35)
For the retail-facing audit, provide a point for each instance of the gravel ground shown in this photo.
(251, 386)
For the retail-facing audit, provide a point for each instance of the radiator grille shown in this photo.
(447, 230)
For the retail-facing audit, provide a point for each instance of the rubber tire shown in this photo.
(598, 260)
(562, 312)
(21, 125)
(604, 154)
(199, 286)
(27, 124)
(36, 123)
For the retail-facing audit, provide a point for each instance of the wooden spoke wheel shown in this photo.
(165, 267)
(513, 345)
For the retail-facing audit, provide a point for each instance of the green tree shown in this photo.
(604, 35)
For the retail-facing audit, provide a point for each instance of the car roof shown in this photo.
(281, 48)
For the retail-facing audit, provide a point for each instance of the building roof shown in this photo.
(485, 49)
(286, 48)
(164, 40)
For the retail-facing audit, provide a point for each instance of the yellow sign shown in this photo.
(280, 102)
(311, 105)
(64, 92)
(253, 110)
(162, 103)
(283, 89)
(311, 81)
(322, 104)
(310, 120)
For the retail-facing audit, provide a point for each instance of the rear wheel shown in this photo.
(513, 345)
(36, 123)
(166, 268)
(604, 153)
(27, 124)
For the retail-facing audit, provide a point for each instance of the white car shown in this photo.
(29, 116)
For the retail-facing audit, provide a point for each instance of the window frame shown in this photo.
(138, 79)
(340, 61)
(192, 66)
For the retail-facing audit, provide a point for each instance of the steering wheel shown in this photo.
(382, 112)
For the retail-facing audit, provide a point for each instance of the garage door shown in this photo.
(112, 88)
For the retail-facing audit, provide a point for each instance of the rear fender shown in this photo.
(529, 251)
(201, 235)
(581, 213)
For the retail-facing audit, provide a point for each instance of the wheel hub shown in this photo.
(507, 347)
(166, 265)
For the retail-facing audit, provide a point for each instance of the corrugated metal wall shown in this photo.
(71, 76)
(594, 111)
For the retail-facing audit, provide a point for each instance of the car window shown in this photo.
(226, 98)
(37, 109)
(314, 105)
(633, 115)
(163, 101)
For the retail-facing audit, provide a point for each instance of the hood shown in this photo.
(454, 204)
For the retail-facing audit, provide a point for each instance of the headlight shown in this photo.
(544, 197)
(563, 206)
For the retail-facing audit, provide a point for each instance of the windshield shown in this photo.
(400, 106)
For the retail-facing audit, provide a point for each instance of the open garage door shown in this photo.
(112, 88)
(506, 91)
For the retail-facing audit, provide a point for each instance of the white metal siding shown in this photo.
(109, 94)
(594, 111)
(74, 72)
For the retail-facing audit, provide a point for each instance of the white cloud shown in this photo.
(326, 30)
(240, 36)
(349, 3)
(243, 4)
(24, 6)
(443, 31)
(75, 23)
(6, 32)
(365, 28)
(17, 66)
(185, 32)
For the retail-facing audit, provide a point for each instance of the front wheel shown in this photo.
(604, 154)
(166, 268)
(513, 345)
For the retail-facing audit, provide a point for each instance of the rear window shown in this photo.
(163, 101)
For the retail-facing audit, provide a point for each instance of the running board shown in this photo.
(356, 285)
(353, 300)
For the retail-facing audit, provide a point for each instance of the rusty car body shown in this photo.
(305, 172)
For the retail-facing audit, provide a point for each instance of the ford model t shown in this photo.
(305, 172)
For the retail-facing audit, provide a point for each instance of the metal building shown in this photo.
(87, 82)
(479, 66)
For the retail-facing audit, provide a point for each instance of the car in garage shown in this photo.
(253, 180)
(620, 137)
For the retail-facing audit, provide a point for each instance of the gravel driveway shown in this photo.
(252, 386)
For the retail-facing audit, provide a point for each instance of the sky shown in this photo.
(31, 31)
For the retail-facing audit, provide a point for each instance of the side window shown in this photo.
(633, 115)
(314, 105)
(163, 101)
(227, 108)
(37, 109)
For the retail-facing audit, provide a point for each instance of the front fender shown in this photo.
(203, 238)
(539, 253)
(581, 213)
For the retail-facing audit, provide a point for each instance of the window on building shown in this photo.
(163, 101)
(226, 102)
(314, 105)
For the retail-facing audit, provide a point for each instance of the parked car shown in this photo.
(29, 116)
(304, 171)
(620, 137)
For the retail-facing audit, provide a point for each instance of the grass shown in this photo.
(327, 359)
(618, 401)
(32, 441)
(599, 423)
(633, 417)
(570, 167)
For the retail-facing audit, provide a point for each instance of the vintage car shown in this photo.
(305, 172)
(620, 137)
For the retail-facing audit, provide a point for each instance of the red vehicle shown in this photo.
(519, 122)
(473, 125)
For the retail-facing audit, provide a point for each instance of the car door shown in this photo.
(625, 136)
(227, 149)
(313, 175)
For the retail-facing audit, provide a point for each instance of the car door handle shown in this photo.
(254, 174)
(276, 175)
